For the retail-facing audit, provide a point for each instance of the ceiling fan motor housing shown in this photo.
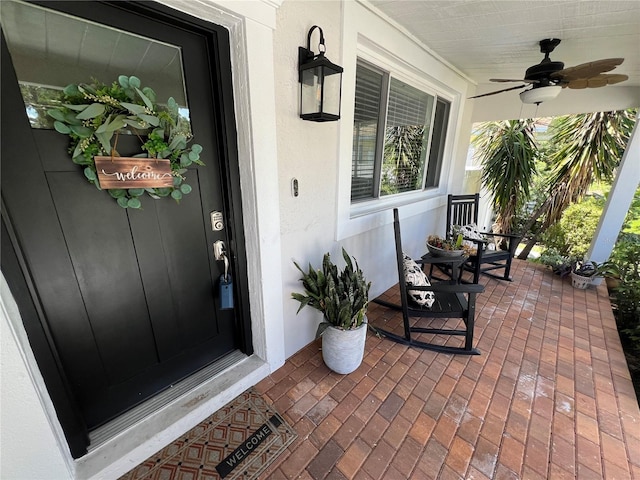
(542, 71)
(546, 67)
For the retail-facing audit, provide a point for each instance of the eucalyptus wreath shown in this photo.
(93, 116)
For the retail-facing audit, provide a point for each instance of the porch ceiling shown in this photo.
(499, 39)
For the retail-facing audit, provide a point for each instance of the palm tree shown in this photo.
(403, 158)
(590, 148)
(507, 153)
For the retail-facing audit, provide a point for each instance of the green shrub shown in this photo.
(632, 221)
(624, 266)
(572, 235)
(560, 264)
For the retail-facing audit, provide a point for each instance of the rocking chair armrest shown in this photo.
(478, 241)
(505, 235)
(449, 288)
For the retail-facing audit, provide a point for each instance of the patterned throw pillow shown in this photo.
(470, 232)
(415, 277)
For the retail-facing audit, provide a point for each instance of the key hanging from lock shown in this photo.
(225, 283)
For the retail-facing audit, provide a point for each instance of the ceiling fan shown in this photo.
(548, 78)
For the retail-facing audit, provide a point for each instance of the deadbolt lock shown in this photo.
(217, 221)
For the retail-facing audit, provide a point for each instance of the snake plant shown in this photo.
(341, 295)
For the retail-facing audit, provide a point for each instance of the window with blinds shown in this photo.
(399, 134)
(405, 138)
(365, 133)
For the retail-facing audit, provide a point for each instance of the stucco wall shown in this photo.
(319, 220)
(307, 151)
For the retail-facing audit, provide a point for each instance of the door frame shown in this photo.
(13, 264)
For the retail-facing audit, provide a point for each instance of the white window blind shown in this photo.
(365, 132)
(399, 134)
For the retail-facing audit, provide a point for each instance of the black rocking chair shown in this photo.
(463, 210)
(452, 301)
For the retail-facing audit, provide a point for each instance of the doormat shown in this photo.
(238, 442)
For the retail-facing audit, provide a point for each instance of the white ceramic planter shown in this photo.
(580, 282)
(342, 350)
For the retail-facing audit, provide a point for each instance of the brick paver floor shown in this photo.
(550, 397)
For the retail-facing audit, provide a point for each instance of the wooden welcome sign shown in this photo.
(131, 172)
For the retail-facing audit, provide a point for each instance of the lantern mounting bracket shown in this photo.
(306, 54)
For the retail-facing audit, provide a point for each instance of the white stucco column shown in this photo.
(619, 200)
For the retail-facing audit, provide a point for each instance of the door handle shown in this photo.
(220, 254)
(225, 285)
(219, 251)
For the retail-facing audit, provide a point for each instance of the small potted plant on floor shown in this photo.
(342, 296)
(584, 273)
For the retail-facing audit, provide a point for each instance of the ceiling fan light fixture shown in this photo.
(540, 94)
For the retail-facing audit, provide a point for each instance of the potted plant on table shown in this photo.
(342, 296)
(446, 247)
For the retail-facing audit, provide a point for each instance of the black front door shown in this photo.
(127, 299)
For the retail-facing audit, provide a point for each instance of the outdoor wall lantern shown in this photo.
(320, 83)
